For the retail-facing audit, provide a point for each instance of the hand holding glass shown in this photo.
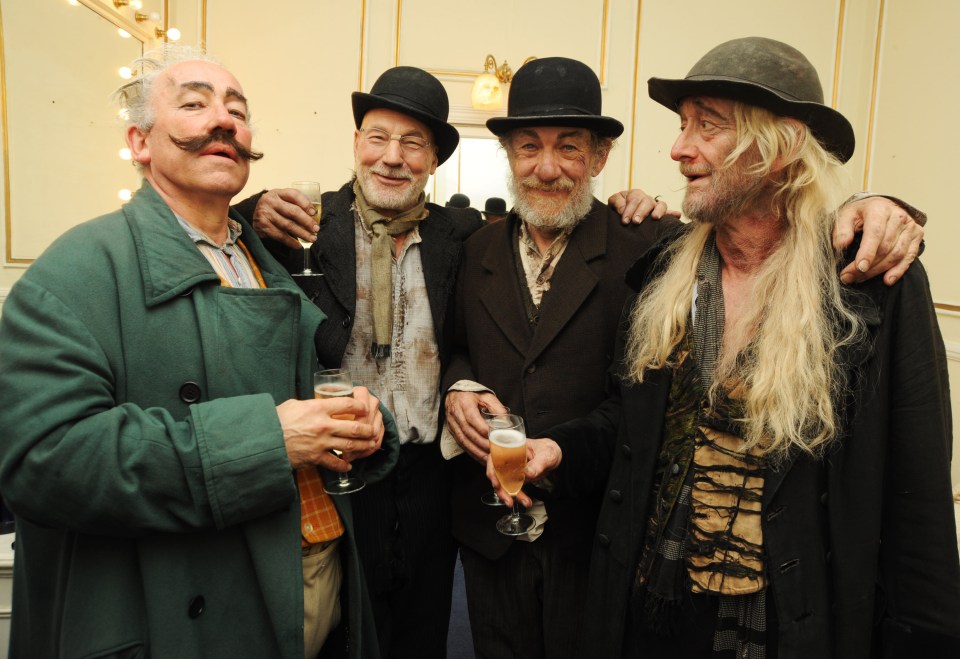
(508, 452)
(311, 190)
(336, 383)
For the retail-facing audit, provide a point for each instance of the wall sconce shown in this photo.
(170, 34)
(488, 88)
(136, 4)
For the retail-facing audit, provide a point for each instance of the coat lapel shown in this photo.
(439, 254)
(500, 291)
(335, 248)
(573, 280)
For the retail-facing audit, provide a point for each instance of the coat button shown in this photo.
(345, 323)
(532, 368)
(190, 392)
(626, 450)
(196, 607)
(603, 540)
(674, 469)
(615, 496)
(823, 498)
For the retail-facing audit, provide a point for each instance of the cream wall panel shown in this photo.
(298, 63)
(915, 144)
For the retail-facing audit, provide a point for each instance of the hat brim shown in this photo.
(603, 126)
(830, 127)
(445, 136)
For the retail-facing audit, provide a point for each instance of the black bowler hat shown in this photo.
(495, 206)
(555, 91)
(766, 73)
(414, 92)
(458, 200)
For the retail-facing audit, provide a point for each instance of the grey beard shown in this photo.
(386, 199)
(567, 217)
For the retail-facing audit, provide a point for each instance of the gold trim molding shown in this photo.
(604, 30)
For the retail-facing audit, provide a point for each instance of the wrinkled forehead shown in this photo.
(718, 108)
(199, 75)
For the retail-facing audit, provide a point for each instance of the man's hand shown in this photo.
(635, 205)
(284, 215)
(891, 239)
(465, 421)
(543, 456)
(314, 428)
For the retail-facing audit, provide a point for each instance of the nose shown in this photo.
(392, 153)
(548, 167)
(222, 118)
(683, 148)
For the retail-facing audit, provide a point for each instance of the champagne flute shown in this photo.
(508, 451)
(496, 420)
(311, 190)
(336, 383)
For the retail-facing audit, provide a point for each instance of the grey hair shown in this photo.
(134, 96)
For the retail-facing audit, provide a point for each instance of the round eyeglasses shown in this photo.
(379, 139)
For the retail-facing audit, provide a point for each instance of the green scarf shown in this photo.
(381, 269)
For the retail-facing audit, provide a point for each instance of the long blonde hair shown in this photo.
(796, 318)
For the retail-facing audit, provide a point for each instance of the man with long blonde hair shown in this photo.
(775, 457)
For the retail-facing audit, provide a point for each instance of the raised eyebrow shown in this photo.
(233, 93)
(572, 134)
(416, 132)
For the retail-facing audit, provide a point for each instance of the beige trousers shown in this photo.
(322, 577)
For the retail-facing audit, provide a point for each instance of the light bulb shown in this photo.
(173, 34)
(124, 113)
(73, 2)
(125, 154)
(125, 195)
(123, 33)
(125, 72)
(136, 4)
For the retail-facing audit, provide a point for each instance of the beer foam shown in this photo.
(507, 437)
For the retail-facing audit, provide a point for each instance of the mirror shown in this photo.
(63, 134)
(478, 169)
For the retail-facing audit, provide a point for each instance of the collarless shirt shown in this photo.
(406, 381)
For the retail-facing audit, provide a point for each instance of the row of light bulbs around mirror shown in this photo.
(170, 34)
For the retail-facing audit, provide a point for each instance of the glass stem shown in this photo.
(515, 516)
(306, 260)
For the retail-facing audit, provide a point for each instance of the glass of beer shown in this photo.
(495, 420)
(336, 383)
(508, 451)
(311, 190)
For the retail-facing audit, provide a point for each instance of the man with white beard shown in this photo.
(537, 307)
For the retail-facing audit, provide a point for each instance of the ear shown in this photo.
(137, 142)
(435, 159)
(356, 143)
(598, 164)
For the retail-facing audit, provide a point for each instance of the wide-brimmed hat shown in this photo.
(766, 73)
(415, 92)
(555, 91)
(495, 206)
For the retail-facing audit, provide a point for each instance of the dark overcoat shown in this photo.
(861, 546)
(547, 374)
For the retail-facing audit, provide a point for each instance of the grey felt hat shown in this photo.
(414, 92)
(766, 73)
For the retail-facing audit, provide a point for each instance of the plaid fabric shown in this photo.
(319, 520)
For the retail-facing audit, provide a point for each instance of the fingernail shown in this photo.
(846, 278)
(863, 266)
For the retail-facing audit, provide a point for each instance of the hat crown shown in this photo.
(408, 85)
(554, 86)
(773, 64)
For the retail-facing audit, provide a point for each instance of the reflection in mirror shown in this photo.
(60, 64)
(478, 169)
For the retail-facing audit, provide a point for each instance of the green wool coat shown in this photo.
(157, 514)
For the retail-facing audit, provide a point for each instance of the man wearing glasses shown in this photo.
(389, 261)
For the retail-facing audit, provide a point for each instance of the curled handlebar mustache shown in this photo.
(200, 142)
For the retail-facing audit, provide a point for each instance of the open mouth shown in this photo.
(221, 151)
